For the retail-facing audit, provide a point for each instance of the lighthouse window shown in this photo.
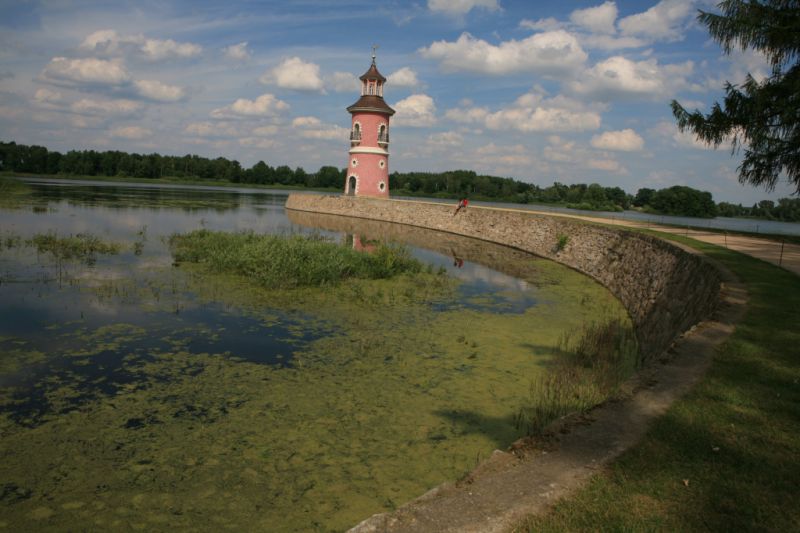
(382, 186)
(381, 163)
(354, 162)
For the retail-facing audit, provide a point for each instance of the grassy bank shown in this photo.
(725, 456)
(280, 262)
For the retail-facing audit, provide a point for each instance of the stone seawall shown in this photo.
(665, 289)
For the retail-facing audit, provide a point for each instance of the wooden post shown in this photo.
(780, 260)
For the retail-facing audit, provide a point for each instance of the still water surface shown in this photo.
(136, 394)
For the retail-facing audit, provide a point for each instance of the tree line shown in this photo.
(677, 200)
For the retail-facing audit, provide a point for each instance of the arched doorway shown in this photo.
(351, 186)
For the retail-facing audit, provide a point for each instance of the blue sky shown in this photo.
(539, 91)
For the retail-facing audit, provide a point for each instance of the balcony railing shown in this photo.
(355, 137)
(383, 138)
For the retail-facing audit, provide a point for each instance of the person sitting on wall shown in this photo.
(462, 204)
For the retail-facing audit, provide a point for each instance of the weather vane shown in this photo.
(374, 47)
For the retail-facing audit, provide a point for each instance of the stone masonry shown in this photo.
(665, 289)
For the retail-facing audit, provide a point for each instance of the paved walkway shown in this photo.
(785, 255)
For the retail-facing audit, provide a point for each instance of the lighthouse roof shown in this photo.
(370, 102)
(372, 73)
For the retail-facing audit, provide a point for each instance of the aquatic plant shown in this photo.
(82, 246)
(277, 261)
(11, 190)
(588, 372)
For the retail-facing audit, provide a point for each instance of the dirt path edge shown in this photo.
(529, 478)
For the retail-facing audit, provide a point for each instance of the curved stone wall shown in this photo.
(666, 289)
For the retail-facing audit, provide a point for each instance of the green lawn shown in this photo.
(727, 456)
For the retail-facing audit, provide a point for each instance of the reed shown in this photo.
(589, 370)
(283, 262)
(83, 246)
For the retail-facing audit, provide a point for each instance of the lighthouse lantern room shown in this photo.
(368, 165)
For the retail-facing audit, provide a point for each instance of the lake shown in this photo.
(140, 394)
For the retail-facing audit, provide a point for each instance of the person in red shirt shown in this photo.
(462, 204)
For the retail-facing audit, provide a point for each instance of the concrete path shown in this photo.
(785, 255)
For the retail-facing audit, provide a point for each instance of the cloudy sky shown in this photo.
(540, 91)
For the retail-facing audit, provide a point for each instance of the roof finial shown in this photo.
(374, 47)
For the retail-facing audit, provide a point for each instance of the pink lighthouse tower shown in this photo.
(368, 167)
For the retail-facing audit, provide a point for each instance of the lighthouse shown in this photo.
(368, 164)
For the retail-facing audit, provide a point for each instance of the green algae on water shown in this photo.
(401, 387)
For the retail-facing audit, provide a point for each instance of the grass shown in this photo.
(83, 246)
(562, 242)
(725, 456)
(11, 191)
(281, 262)
(588, 371)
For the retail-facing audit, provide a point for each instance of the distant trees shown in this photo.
(683, 201)
(786, 210)
(678, 200)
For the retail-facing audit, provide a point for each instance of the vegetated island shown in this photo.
(677, 200)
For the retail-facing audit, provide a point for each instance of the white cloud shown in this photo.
(294, 73)
(547, 24)
(160, 92)
(619, 77)
(119, 108)
(610, 42)
(304, 122)
(598, 19)
(266, 131)
(625, 140)
(461, 7)
(89, 70)
(446, 139)
(266, 105)
(506, 156)
(48, 98)
(663, 21)
(257, 142)
(210, 129)
(567, 153)
(131, 132)
(404, 77)
(609, 165)
(417, 110)
(102, 41)
(109, 42)
(682, 139)
(327, 132)
(553, 52)
(237, 51)
(155, 49)
(313, 128)
(532, 112)
(343, 82)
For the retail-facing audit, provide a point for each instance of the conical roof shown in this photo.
(372, 73)
(370, 102)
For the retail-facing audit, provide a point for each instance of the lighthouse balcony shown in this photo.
(383, 139)
(355, 137)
